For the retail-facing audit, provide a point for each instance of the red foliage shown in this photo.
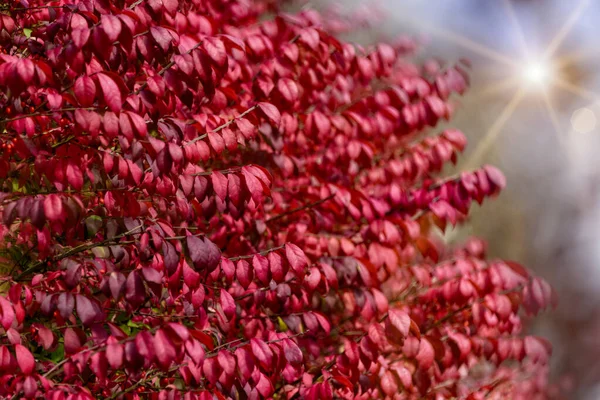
(211, 199)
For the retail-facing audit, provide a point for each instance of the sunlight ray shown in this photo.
(565, 29)
(518, 28)
(577, 90)
(576, 56)
(553, 118)
(492, 134)
(493, 89)
(466, 43)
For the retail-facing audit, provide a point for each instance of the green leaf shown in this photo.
(101, 252)
(27, 32)
(58, 354)
(93, 224)
(282, 325)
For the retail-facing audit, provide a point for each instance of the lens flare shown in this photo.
(537, 73)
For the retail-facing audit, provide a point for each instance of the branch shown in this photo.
(262, 253)
(75, 250)
(304, 207)
(220, 127)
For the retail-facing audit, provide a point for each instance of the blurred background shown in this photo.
(533, 110)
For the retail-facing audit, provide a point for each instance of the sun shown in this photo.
(537, 73)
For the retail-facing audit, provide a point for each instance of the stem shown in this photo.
(262, 253)
(220, 127)
(304, 207)
(75, 250)
(40, 114)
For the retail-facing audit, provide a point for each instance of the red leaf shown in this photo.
(164, 349)
(170, 257)
(110, 91)
(262, 352)
(161, 36)
(65, 304)
(244, 273)
(227, 362)
(116, 284)
(537, 349)
(114, 353)
(7, 313)
(87, 310)
(73, 340)
(135, 292)
(292, 352)
(111, 26)
(53, 208)
(261, 268)
(145, 345)
(227, 303)
(234, 188)
(277, 268)
(25, 359)
(99, 365)
(495, 176)
(203, 253)
(219, 182)
(323, 322)
(46, 337)
(397, 326)
(74, 175)
(80, 36)
(264, 386)
(296, 258)
(271, 112)
(288, 89)
(426, 354)
(388, 383)
(310, 37)
(245, 362)
(253, 184)
(26, 70)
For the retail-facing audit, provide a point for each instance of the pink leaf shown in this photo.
(397, 326)
(271, 112)
(227, 362)
(262, 352)
(292, 352)
(288, 89)
(25, 359)
(227, 303)
(87, 310)
(111, 26)
(219, 182)
(495, 176)
(7, 313)
(74, 175)
(425, 356)
(245, 362)
(114, 353)
(296, 258)
(53, 208)
(244, 273)
(161, 36)
(164, 349)
(264, 386)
